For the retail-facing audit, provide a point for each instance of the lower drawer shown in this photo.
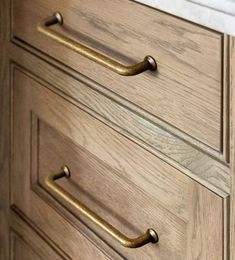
(121, 182)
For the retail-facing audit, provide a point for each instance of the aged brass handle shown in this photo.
(149, 236)
(44, 27)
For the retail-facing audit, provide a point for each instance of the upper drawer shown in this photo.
(186, 90)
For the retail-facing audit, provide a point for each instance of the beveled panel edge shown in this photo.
(37, 187)
(225, 100)
(226, 227)
(14, 234)
(205, 169)
(15, 210)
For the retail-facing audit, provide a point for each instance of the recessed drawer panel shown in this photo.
(125, 185)
(185, 92)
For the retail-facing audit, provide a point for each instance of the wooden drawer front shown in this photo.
(186, 90)
(126, 185)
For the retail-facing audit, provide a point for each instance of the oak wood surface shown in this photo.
(26, 244)
(197, 162)
(179, 208)
(187, 129)
(232, 204)
(187, 90)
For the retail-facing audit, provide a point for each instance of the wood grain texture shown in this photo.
(180, 114)
(21, 250)
(71, 245)
(4, 128)
(118, 201)
(200, 245)
(169, 201)
(187, 90)
(232, 204)
(26, 244)
(226, 98)
(129, 121)
(70, 237)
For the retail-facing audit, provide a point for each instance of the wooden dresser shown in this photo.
(116, 134)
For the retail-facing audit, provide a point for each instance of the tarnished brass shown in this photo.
(148, 63)
(149, 236)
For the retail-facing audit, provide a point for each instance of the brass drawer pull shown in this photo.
(149, 236)
(44, 27)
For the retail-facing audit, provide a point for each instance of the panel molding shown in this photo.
(225, 100)
(170, 128)
(191, 160)
(37, 188)
(14, 235)
(18, 216)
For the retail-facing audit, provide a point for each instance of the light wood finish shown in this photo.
(186, 92)
(145, 151)
(232, 94)
(129, 121)
(125, 184)
(4, 127)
